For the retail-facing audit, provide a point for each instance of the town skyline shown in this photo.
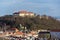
(41, 7)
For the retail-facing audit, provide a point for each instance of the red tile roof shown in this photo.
(23, 12)
(19, 33)
(55, 30)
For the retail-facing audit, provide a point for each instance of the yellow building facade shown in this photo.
(24, 13)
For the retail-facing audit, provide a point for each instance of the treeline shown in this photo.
(31, 23)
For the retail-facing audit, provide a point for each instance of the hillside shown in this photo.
(32, 23)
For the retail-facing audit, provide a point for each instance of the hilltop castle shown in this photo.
(24, 13)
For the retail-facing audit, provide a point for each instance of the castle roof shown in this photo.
(23, 12)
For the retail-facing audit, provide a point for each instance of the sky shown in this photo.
(48, 7)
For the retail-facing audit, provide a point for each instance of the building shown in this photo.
(55, 33)
(44, 16)
(24, 13)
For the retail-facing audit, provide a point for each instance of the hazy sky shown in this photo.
(48, 7)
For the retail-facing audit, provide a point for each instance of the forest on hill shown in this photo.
(31, 23)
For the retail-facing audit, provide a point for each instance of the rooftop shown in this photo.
(55, 30)
(24, 12)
